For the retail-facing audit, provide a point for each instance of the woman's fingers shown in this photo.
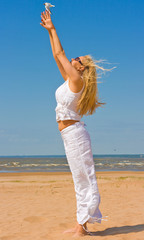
(43, 19)
(43, 15)
(42, 24)
(47, 14)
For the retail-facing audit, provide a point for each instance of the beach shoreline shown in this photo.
(98, 173)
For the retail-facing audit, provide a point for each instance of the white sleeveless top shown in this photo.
(66, 103)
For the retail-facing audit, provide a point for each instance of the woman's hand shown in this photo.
(46, 21)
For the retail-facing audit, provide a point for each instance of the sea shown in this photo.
(58, 163)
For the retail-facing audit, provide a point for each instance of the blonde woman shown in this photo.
(76, 97)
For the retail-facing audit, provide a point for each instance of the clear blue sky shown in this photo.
(106, 29)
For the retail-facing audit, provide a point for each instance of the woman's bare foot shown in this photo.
(81, 231)
(71, 230)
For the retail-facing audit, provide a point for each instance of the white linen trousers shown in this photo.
(78, 151)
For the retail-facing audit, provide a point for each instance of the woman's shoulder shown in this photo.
(75, 87)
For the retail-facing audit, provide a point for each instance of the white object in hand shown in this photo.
(47, 6)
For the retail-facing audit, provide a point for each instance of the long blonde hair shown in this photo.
(89, 101)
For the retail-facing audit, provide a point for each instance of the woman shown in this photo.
(76, 97)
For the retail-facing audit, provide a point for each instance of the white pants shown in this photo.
(78, 151)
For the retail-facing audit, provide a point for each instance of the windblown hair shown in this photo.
(89, 100)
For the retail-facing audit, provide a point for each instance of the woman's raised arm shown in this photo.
(62, 71)
(58, 49)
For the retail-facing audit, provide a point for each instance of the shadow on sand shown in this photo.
(119, 230)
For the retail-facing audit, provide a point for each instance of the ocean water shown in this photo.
(58, 163)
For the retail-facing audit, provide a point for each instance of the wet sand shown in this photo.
(40, 206)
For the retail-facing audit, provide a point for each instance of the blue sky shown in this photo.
(106, 29)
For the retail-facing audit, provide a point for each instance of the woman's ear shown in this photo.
(82, 68)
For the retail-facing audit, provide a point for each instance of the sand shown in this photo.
(40, 206)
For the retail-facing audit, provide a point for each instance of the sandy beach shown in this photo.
(40, 206)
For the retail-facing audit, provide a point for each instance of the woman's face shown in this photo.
(76, 64)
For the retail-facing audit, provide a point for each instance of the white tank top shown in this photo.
(66, 103)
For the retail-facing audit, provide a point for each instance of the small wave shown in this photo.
(43, 165)
(99, 164)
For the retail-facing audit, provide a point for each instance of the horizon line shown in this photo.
(50, 155)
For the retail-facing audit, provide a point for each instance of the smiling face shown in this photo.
(76, 64)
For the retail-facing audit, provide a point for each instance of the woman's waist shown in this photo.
(65, 123)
